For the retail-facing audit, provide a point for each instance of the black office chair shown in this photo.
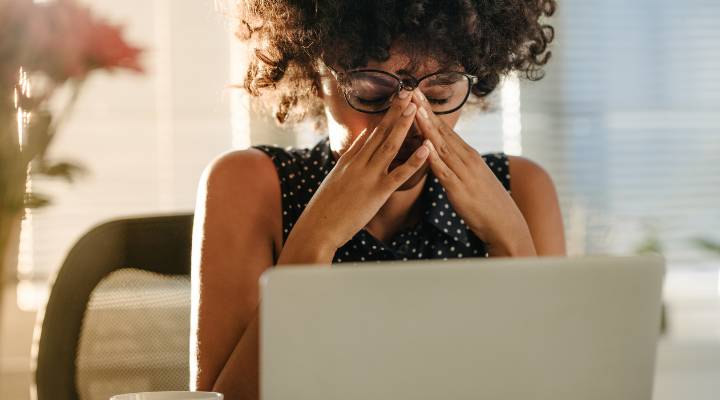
(127, 280)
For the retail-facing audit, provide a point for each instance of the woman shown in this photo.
(392, 180)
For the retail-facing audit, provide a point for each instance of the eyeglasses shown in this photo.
(372, 91)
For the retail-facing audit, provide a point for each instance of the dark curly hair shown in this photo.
(489, 38)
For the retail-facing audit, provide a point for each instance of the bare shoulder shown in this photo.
(533, 190)
(241, 188)
(239, 170)
(527, 176)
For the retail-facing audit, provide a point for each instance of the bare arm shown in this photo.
(232, 246)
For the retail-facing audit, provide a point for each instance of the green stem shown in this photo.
(75, 87)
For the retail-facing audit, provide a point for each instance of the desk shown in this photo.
(688, 369)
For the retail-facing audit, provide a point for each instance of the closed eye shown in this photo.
(437, 101)
(375, 101)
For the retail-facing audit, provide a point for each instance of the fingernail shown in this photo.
(429, 144)
(409, 110)
(422, 112)
(404, 94)
(422, 152)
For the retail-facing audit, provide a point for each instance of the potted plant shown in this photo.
(45, 48)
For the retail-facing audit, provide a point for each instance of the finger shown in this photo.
(454, 140)
(357, 144)
(393, 141)
(449, 154)
(447, 177)
(404, 171)
(399, 103)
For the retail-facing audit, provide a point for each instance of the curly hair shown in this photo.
(488, 38)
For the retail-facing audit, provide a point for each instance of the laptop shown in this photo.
(547, 328)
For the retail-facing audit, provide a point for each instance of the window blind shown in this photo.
(627, 123)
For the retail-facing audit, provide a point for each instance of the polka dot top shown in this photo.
(440, 234)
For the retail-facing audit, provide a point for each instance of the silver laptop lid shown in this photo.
(542, 328)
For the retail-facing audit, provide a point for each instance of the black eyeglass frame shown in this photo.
(402, 84)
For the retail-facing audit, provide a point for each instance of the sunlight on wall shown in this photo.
(239, 100)
(164, 118)
(511, 125)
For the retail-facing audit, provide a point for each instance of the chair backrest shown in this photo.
(89, 285)
(135, 335)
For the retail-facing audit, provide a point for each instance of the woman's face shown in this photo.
(346, 123)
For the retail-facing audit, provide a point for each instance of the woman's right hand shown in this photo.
(359, 184)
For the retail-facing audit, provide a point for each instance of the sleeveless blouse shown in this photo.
(440, 234)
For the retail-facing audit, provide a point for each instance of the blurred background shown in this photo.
(626, 121)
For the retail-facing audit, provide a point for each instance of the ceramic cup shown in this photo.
(169, 396)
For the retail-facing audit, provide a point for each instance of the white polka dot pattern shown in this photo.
(441, 234)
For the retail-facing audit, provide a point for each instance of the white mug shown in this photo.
(169, 396)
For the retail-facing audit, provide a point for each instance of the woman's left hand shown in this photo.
(472, 188)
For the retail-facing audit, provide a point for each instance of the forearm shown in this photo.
(239, 378)
(510, 238)
(515, 244)
(302, 247)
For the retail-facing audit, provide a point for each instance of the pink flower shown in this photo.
(62, 40)
(56, 33)
(13, 15)
(107, 49)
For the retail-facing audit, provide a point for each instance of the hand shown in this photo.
(359, 184)
(472, 188)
